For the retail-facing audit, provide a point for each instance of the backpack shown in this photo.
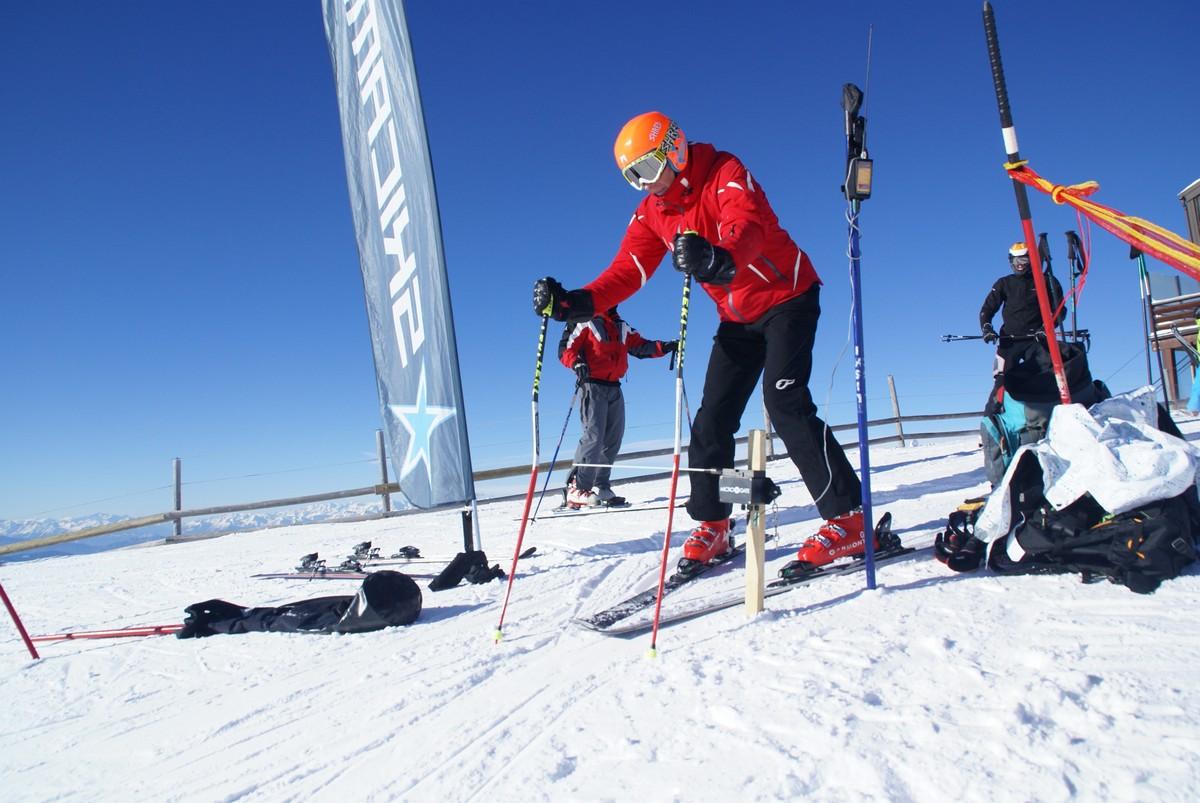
(1028, 395)
(1137, 549)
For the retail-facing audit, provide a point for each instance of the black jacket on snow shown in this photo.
(385, 599)
(1017, 294)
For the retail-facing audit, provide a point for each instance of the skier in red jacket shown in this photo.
(598, 350)
(705, 207)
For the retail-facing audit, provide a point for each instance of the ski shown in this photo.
(353, 570)
(527, 553)
(735, 598)
(604, 620)
(331, 574)
(567, 510)
(612, 621)
(563, 512)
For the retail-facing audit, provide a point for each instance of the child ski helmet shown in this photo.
(645, 145)
(1018, 257)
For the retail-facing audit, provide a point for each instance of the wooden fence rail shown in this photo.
(384, 489)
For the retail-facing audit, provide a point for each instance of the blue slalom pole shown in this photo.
(857, 189)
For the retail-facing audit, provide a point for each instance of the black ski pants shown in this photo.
(778, 347)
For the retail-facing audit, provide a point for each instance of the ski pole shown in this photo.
(1056, 304)
(1078, 268)
(533, 472)
(857, 189)
(1144, 288)
(1009, 131)
(17, 621)
(666, 548)
(554, 459)
(1003, 340)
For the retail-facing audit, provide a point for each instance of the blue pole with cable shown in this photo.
(857, 189)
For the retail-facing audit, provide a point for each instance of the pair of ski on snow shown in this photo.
(354, 570)
(619, 619)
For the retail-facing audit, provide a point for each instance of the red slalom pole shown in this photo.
(666, 549)
(1009, 132)
(133, 631)
(17, 621)
(533, 472)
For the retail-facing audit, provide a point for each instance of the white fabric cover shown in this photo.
(1114, 451)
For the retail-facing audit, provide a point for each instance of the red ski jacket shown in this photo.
(716, 196)
(604, 343)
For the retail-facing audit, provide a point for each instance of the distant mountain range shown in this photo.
(25, 529)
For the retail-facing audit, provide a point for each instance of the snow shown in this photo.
(935, 686)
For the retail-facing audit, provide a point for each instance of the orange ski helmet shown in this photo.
(646, 144)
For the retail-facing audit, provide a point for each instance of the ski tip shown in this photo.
(528, 552)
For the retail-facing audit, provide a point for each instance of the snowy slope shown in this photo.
(933, 687)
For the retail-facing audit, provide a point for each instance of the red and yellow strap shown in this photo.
(1156, 241)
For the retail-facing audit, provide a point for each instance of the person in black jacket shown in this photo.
(1016, 296)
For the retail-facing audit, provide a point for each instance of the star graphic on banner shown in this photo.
(420, 419)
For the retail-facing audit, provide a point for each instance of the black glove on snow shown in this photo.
(581, 369)
(706, 262)
(551, 300)
(957, 546)
(989, 335)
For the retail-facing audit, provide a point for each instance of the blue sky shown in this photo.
(181, 278)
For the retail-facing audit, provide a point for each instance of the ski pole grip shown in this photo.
(1072, 246)
(993, 47)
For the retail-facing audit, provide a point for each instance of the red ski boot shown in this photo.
(709, 540)
(840, 537)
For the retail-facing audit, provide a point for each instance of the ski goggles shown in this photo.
(645, 170)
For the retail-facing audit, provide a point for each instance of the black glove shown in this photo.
(581, 369)
(670, 346)
(957, 546)
(989, 334)
(706, 262)
(550, 299)
(547, 293)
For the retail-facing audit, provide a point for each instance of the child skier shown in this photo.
(597, 351)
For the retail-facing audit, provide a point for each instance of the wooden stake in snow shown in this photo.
(756, 531)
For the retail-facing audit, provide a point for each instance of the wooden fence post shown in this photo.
(383, 475)
(756, 529)
(896, 408)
